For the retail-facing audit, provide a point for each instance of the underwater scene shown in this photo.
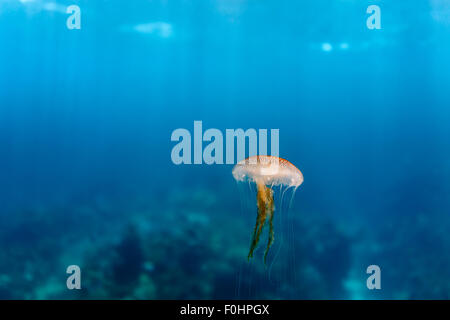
(224, 149)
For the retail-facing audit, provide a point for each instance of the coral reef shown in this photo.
(193, 245)
(190, 257)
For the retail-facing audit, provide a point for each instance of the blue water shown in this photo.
(86, 118)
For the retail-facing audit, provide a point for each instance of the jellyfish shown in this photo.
(266, 172)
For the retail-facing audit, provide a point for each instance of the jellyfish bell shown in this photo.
(266, 172)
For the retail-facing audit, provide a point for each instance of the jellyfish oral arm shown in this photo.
(265, 205)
